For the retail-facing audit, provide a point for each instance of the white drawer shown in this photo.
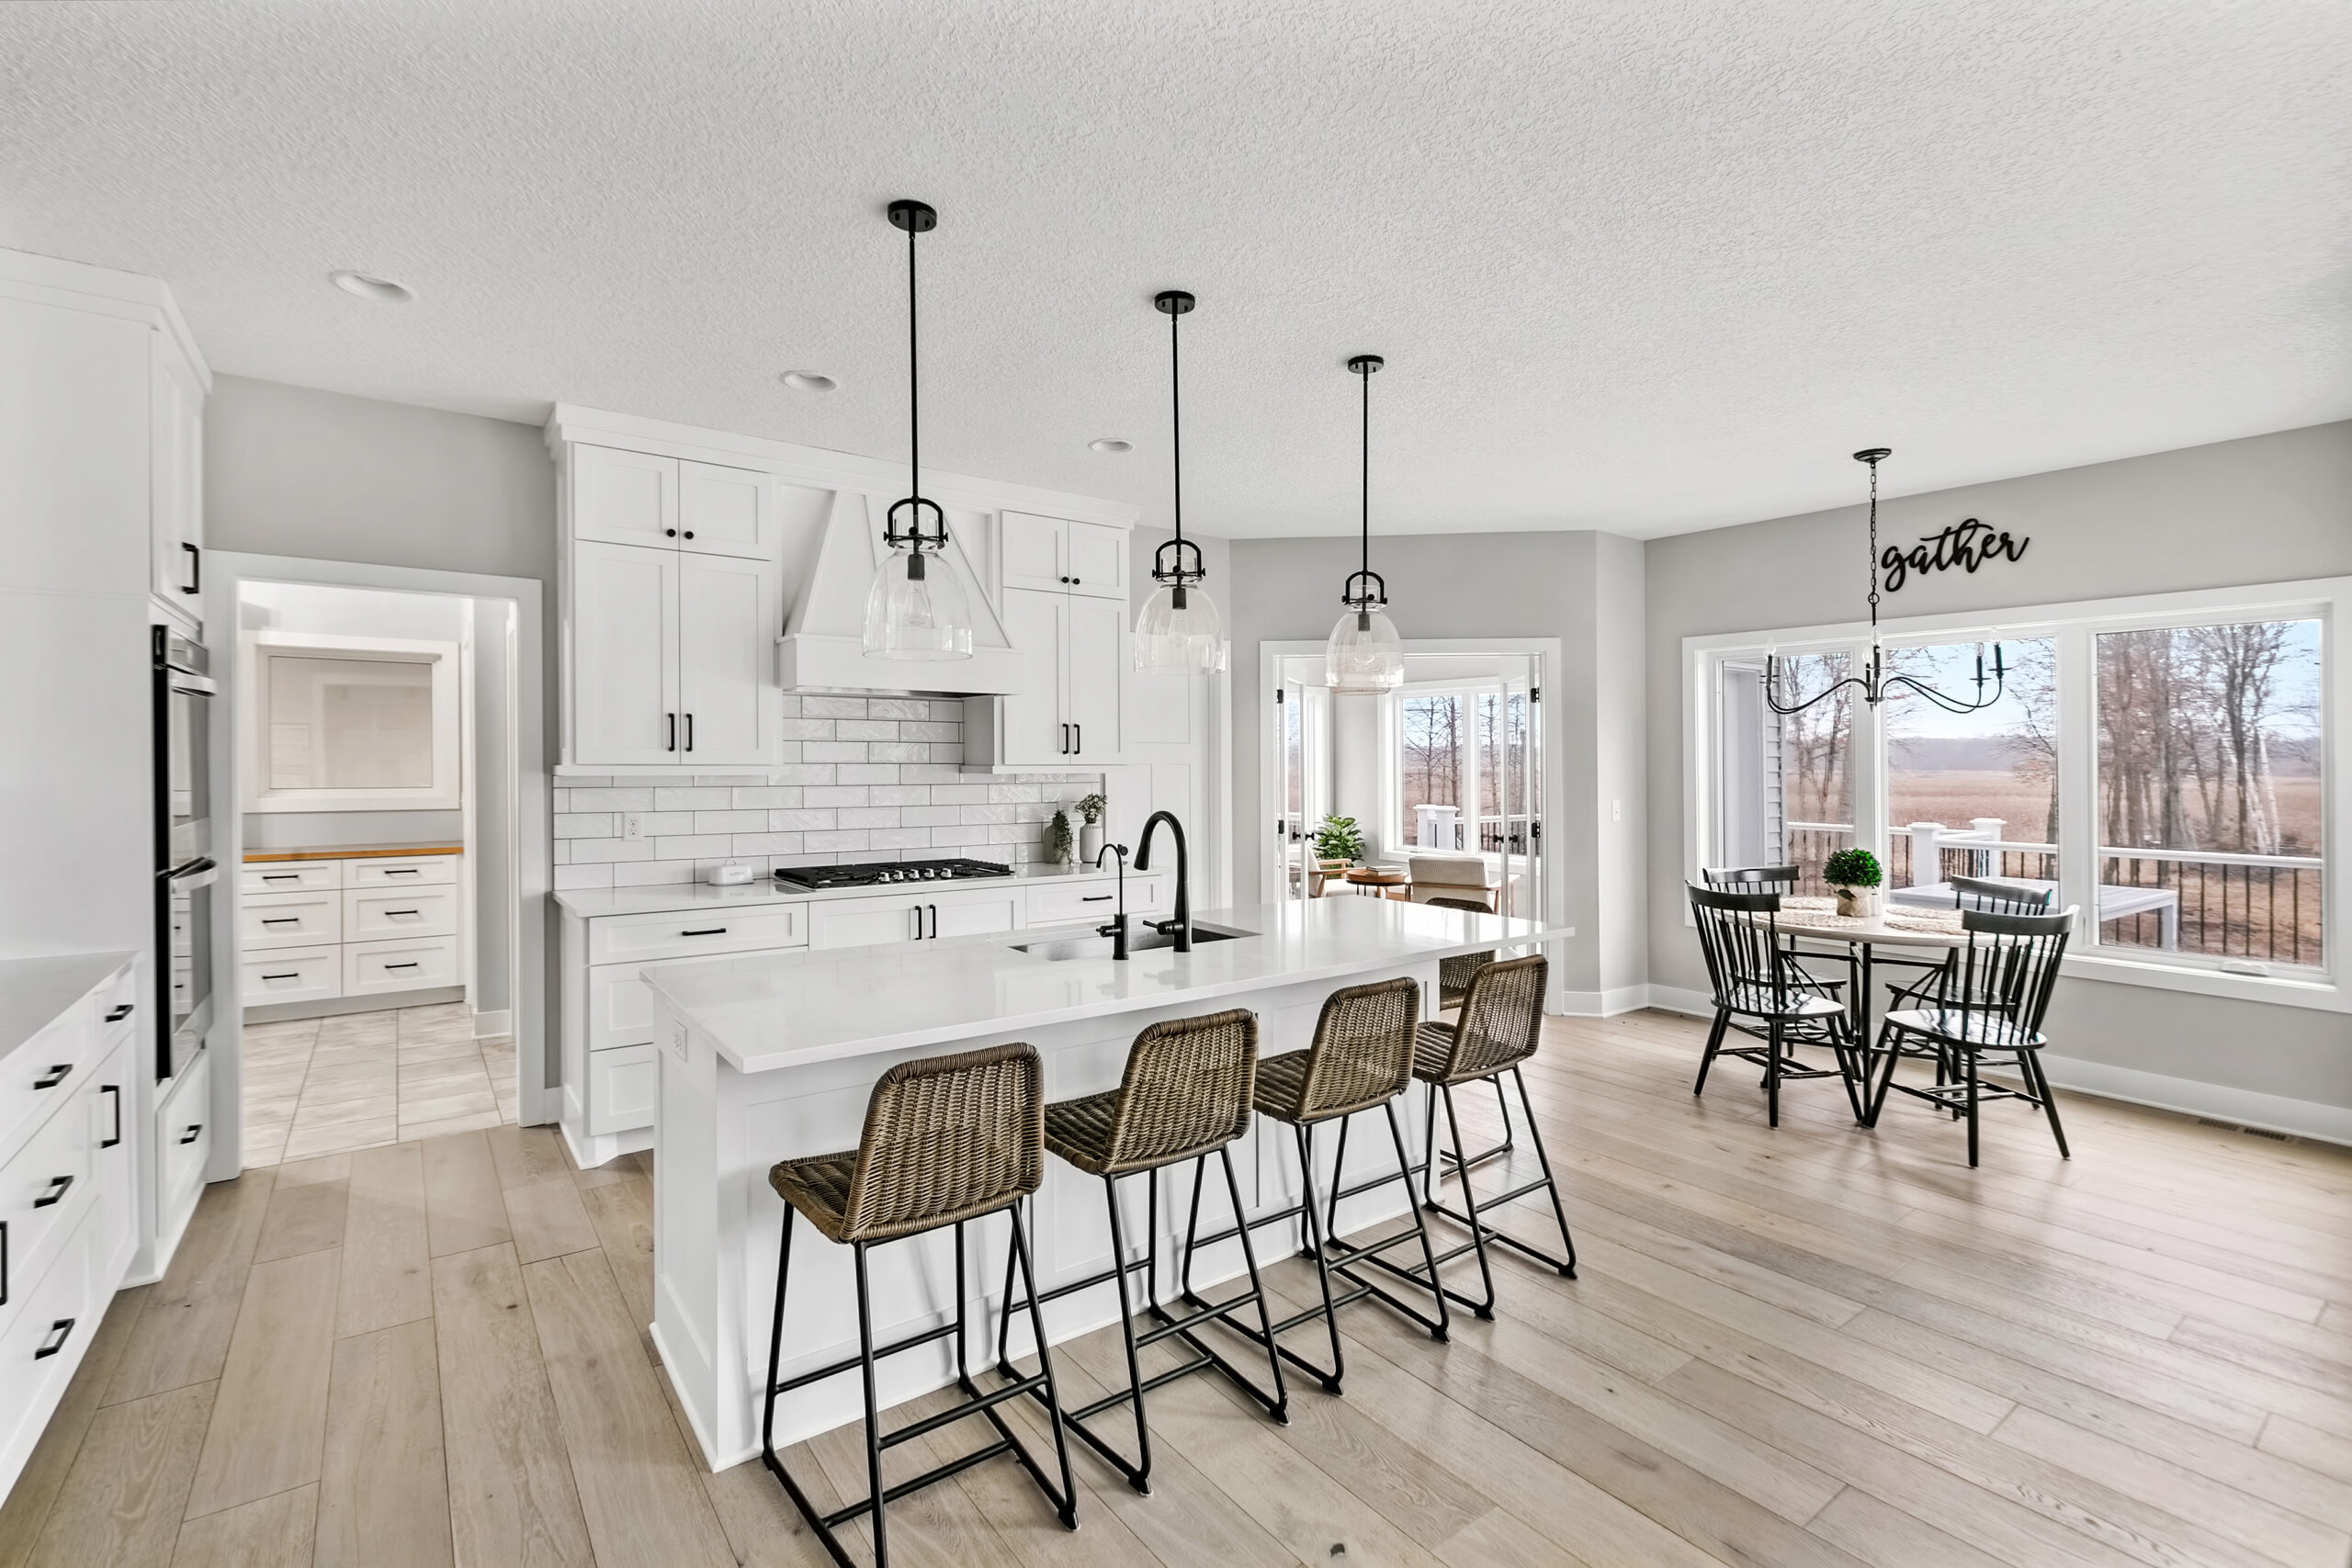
(49, 1184)
(409, 964)
(183, 1144)
(629, 939)
(42, 1074)
(620, 1007)
(382, 871)
(291, 974)
(370, 914)
(622, 1084)
(49, 1326)
(290, 920)
(1095, 898)
(290, 875)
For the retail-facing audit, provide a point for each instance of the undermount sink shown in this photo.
(1062, 949)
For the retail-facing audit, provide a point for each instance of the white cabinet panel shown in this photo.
(911, 917)
(1095, 899)
(624, 639)
(45, 1336)
(624, 498)
(1096, 558)
(622, 1084)
(75, 452)
(370, 968)
(1032, 728)
(726, 511)
(290, 975)
(175, 521)
(290, 876)
(385, 871)
(1031, 552)
(620, 1007)
(636, 939)
(1098, 664)
(727, 629)
(183, 1145)
(290, 920)
(370, 914)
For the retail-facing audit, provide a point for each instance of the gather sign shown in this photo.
(1970, 543)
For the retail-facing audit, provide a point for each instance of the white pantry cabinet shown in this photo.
(633, 498)
(376, 925)
(1069, 714)
(671, 657)
(1059, 554)
(176, 523)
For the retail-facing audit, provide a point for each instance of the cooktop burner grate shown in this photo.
(884, 874)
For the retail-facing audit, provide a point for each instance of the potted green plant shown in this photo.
(1060, 843)
(1089, 838)
(1338, 842)
(1854, 877)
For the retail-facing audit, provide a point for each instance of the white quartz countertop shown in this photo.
(784, 1010)
(33, 991)
(596, 902)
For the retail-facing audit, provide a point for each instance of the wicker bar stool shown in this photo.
(1185, 1096)
(947, 1141)
(1361, 1057)
(1499, 1027)
(1454, 977)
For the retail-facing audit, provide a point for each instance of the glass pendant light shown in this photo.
(916, 609)
(1178, 632)
(1365, 657)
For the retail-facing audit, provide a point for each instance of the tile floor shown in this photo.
(323, 1086)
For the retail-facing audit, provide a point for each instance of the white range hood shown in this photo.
(823, 644)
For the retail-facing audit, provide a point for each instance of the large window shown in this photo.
(2161, 765)
(1463, 776)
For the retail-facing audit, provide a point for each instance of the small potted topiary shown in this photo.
(1091, 807)
(1060, 842)
(1854, 877)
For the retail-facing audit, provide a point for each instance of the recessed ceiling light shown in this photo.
(1111, 444)
(369, 287)
(809, 381)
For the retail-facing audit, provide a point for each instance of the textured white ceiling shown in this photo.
(1642, 267)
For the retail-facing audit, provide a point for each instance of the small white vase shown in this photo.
(1089, 843)
(1857, 903)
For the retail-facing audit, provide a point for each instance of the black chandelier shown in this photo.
(1875, 683)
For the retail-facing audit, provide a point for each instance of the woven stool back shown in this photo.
(1363, 1051)
(947, 1138)
(1186, 1090)
(1453, 974)
(1502, 1018)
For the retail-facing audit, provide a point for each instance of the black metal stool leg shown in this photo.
(1140, 1476)
(1281, 1407)
(1429, 1254)
(872, 1409)
(1567, 1264)
(1311, 1224)
(1066, 1501)
(775, 1336)
(1481, 1309)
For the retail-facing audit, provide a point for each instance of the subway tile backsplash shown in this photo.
(863, 779)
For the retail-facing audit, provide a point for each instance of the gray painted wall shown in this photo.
(2269, 508)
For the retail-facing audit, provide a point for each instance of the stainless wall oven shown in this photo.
(184, 871)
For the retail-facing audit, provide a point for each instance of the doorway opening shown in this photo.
(381, 981)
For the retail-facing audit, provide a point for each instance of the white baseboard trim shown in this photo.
(1604, 1004)
(2248, 1108)
(495, 1025)
(1675, 998)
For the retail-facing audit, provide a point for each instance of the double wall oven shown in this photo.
(184, 870)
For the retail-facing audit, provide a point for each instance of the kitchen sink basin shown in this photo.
(1062, 949)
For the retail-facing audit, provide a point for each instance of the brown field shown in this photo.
(1954, 797)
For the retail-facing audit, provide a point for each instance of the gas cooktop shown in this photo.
(818, 878)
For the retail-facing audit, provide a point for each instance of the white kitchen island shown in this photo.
(771, 1057)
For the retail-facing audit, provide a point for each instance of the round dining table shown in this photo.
(1805, 917)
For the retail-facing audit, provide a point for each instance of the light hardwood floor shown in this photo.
(1813, 1346)
(325, 1086)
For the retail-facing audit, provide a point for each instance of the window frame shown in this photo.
(2072, 627)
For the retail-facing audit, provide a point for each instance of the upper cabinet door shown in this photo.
(1034, 552)
(726, 511)
(1033, 730)
(726, 631)
(1097, 662)
(1096, 557)
(624, 498)
(175, 512)
(623, 641)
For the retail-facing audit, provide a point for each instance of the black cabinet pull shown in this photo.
(1095, 898)
(400, 870)
(196, 1131)
(55, 1076)
(54, 1193)
(690, 718)
(390, 913)
(673, 743)
(59, 1332)
(290, 975)
(935, 921)
(1079, 730)
(410, 964)
(281, 876)
(3, 1263)
(115, 1090)
(706, 930)
(282, 920)
(194, 568)
(117, 1013)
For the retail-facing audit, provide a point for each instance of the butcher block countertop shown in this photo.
(355, 852)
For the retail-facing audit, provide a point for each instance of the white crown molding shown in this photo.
(77, 286)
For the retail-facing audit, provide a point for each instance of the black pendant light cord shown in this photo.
(914, 381)
(1363, 559)
(1176, 427)
(1169, 565)
(915, 218)
(1365, 591)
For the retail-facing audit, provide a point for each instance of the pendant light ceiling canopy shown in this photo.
(1365, 657)
(916, 609)
(1874, 683)
(1178, 632)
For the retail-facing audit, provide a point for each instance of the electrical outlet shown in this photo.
(1616, 811)
(632, 824)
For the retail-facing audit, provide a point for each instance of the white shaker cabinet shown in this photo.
(176, 519)
(1057, 554)
(635, 498)
(1068, 713)
(671, 657)
(918, 914)
(727, 628)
